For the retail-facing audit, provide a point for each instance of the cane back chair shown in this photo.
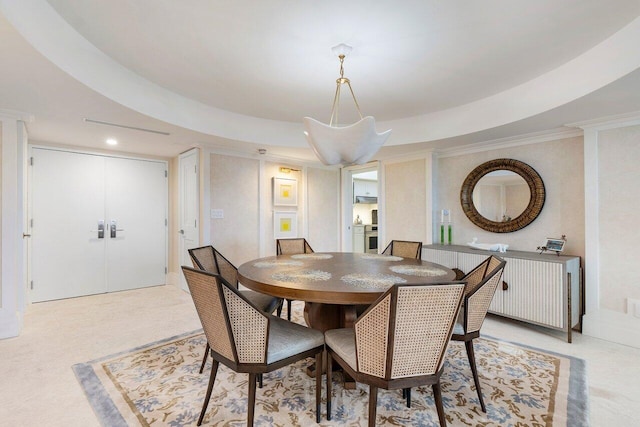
(292, 247)
(399, 342)
(208, 258)
(404, 249)
(475, 305)
(245, 339)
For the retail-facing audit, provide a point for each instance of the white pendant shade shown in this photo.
(345, 145)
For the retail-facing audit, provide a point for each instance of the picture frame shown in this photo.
(285, 225)
(554, 244)
(285, 192)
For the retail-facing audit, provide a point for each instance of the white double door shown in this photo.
(99, 224)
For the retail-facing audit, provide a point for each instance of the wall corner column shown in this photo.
(13, 293)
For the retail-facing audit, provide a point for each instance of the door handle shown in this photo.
(100, 229)
(114, 228)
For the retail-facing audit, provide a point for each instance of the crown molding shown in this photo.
(16, 115)
(608, 122)
(408, 157)
(290, 160)
(511, 141)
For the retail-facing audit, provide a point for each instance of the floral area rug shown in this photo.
(159, 385)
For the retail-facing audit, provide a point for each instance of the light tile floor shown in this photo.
(38, 387)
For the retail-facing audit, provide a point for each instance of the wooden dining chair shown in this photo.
(401, 248)
(473, 280)
(399, 342)
(208, 258)
(292, 247)
(404, 249)
(475, 305)
(245, 339)
(480, 272)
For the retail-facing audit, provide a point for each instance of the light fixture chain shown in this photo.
(335, 108)
(336, 99)
(354, 99)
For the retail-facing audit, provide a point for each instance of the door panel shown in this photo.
(136, 194)
(67, 257)
(71, 192)
(189, 208)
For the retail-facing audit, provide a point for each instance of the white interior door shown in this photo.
(68, 201)
(189, 207)
(136, 203)
(72, 195)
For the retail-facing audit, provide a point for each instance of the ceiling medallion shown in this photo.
(353, 144)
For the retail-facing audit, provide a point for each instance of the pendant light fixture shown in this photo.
(353, 144)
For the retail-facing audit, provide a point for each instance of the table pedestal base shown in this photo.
(323, 317)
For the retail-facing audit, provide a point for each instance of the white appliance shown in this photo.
(358, 238)
(371, 238)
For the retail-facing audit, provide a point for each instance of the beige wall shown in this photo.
(619, 190)
(405, 201)
(1, 305)
(559, 163)
(323, 190)
(243, 189)
(234, 189)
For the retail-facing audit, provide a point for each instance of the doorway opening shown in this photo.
(361, 191)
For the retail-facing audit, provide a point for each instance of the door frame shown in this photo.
(181, 247)
(29, 190)
(346, 206)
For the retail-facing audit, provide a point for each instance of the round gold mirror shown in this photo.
(502, 195)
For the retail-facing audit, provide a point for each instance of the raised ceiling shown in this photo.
(241, 75)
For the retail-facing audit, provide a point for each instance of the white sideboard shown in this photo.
(543, 289)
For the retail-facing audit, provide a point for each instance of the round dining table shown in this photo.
(333, 284)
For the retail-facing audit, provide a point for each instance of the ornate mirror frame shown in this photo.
(536, 201)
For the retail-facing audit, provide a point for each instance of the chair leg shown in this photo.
(437, 396)
(318, 385)
(279, 310)
(289, 310)
(474, 370)
(252, 400)
(329, 383)
(408, 396)
(259, 379)
(204, 359)
(373, 403)
(212, 379)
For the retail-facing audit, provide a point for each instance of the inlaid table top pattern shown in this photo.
(337, 277)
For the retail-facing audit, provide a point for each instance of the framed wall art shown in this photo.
(285, 192)
(285, 225)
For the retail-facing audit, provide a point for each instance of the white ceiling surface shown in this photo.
(241, 75)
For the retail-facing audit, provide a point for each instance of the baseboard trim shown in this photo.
(173, 279)
(10, 324)
(612, 326)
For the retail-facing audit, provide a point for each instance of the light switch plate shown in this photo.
(217, 213)
(633, 307)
